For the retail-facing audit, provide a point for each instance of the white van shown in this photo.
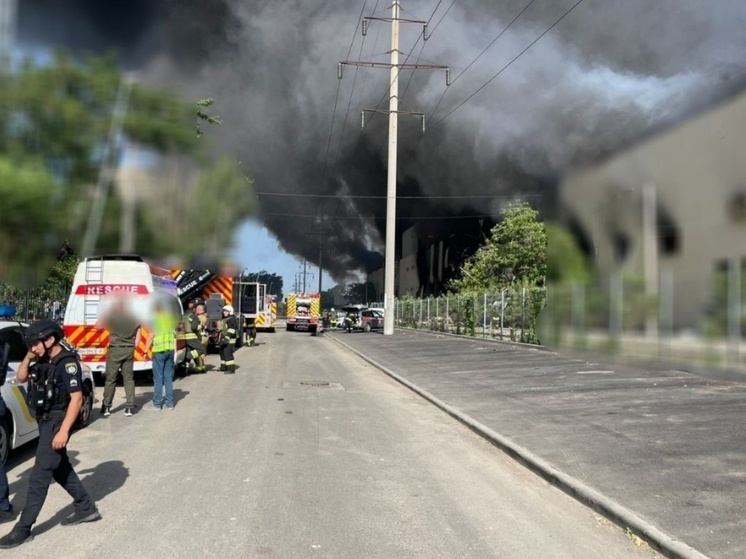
(102, 276)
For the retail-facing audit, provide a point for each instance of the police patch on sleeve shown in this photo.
(71, 368)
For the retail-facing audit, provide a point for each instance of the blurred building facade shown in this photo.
(672, 208)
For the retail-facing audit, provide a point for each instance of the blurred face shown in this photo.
(225, 312)
(199, 309)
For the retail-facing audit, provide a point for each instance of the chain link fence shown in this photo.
(510, 314)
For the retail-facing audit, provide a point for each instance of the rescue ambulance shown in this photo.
(104, 276)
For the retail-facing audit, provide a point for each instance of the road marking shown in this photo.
(594, 373)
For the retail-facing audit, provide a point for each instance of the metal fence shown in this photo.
(510, 314)
(30, 305)
(622, 318)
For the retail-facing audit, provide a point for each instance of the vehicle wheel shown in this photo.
(5, 438)
(289, 328)
(367, 327)
(84, 417)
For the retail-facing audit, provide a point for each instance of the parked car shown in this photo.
(364, 319)
(19, 426)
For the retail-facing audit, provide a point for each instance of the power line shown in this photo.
(488, 47)
(493, 78)
(375, 197)
(352, 92)
(336, 97)
(388, 91)
(357, 218)
(411, 76)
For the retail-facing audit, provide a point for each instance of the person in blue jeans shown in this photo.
(162, 341)
(6, 509)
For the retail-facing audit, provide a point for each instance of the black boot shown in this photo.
(16, 537)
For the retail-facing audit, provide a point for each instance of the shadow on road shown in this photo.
(99, 481)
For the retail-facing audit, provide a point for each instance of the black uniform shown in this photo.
(66, 377)
(195, 349)
(227, 344)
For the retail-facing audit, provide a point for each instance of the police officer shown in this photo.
(193, 336)
(228, 338)
(57, 396)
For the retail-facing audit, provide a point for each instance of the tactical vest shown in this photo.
(44, 392)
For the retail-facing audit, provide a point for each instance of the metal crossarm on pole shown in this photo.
(393, 112)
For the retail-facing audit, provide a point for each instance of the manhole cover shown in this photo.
(319, 383)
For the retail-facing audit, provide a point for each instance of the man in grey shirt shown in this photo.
(124, 337)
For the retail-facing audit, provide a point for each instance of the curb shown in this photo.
(621, 516)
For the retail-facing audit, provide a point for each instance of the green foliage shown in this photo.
(329, 296)
(27, 222)
(516, 252)
(360, 293)
(56, 120)
(565, 261)
(274, 282)
(205, 117)
(716, 320)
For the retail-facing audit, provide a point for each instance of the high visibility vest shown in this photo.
(164, 326)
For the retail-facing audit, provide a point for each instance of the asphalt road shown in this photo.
(260, 465)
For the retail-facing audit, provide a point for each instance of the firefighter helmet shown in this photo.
(228, 308)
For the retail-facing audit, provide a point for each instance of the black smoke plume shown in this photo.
(607, 74)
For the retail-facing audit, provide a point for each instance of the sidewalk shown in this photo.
(667, 445)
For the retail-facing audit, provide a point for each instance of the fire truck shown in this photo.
(254, 307)
(304, 312)
(99, 277)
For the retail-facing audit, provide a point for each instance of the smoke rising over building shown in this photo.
(608, 73)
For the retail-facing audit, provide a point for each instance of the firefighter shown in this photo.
(193, 336)
(228, 336)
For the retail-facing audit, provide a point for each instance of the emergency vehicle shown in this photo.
(254, 306)
(102, 276)
(303, 312)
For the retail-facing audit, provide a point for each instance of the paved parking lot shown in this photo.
(668, 445)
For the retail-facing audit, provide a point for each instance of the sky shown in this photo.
(257, 249)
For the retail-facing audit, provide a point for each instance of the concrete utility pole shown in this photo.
(105, 172)
(395, 69)
(650, 254)
(8, 18)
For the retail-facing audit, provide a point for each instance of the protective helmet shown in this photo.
(197, 301)
(228, 308)
(41, 330)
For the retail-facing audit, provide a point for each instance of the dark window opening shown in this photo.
(669, 236)
(621, 245)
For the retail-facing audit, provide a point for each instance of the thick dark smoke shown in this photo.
(610, 72)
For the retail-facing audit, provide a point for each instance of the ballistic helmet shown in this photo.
(41, 330)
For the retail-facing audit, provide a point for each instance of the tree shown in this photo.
(55, 120)
(330, 296)
(199, 216)
(514, 254)
(28, 222)
(565, 261)
(274, 282)
(360, 293)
